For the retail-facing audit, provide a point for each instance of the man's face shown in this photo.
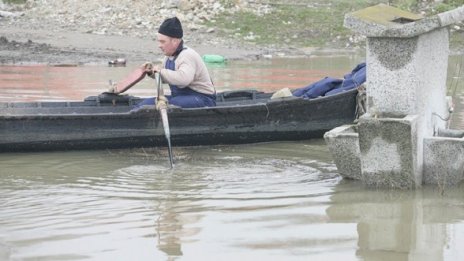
(167, 44)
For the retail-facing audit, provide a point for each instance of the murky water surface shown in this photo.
(268, 201)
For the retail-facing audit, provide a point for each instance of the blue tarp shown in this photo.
(329, 86)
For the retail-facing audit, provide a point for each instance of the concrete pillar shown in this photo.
(397, 143)
(343, 143)
(407, 63)
(389, 152)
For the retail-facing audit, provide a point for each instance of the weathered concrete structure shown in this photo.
(398, 139)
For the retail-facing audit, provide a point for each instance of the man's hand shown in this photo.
(161, 102)
(150, 69)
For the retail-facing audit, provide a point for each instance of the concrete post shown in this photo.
(407, 63)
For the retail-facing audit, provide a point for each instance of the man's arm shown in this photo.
(184, 73)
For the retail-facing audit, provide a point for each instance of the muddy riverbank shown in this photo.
(73, 32)
(86, 32)
(81, 32)
(20, 45)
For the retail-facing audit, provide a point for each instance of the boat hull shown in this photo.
(90, 126)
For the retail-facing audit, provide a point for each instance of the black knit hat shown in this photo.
(171, 27)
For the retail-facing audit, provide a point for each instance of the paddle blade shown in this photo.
(164, 118)
(171, 158)
(167, 133)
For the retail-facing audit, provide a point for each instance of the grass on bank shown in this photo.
(14, 1)
(310, 23)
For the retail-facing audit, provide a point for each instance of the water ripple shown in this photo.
(54, 201)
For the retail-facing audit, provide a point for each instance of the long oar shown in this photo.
(161, 106)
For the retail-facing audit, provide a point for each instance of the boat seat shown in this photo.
(112, 99)
(236, 95)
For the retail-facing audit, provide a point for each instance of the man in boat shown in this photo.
(182, 68)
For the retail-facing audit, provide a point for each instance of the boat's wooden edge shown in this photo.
(9, 112)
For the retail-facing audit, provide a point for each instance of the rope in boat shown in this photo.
(454, 86)
(360, 101)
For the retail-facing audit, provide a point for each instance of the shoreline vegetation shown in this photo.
(91, 31)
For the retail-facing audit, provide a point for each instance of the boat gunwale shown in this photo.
(173, 110)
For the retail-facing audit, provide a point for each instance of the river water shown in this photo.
(266, 201)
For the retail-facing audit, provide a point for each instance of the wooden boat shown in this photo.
(106, 121)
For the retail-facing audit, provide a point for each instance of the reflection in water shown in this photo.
(218, 202)
(269, 201)
(401, 225)
(275, 201)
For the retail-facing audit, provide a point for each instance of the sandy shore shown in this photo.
(22, 45)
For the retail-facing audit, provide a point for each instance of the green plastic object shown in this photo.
(213, 58)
